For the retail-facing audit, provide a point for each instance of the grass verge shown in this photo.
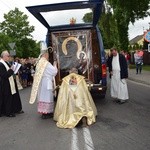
(144, 67)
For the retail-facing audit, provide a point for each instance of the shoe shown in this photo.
(20, 112)
(50, 115)
(84, 122)
(116, 100)
(11, 115)
(122, 101)
(79, 124)
(44, 116)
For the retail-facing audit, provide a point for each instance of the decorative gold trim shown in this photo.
(78, 54)
(40, 67)
(64, 49)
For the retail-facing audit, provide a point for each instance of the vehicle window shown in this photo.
(63, 17)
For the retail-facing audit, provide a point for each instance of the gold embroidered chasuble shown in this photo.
(74, 102)
(40, 67)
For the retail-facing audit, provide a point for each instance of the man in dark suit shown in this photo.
(10, 102)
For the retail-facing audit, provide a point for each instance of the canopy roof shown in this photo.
(57, 16)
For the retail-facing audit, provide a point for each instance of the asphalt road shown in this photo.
(118, 127)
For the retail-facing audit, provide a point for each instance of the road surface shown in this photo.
(118, 127)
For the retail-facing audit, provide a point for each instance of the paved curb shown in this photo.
(139, 81)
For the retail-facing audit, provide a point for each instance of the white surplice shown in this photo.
(45, 91)
(119, 88)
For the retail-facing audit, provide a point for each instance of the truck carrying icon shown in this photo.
(75, 44)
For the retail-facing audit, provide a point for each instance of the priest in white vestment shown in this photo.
(119, 72)
(43, 85)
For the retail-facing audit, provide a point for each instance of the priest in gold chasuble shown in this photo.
(74, 103)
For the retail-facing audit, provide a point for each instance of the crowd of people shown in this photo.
(26, 71)
(137, 59)
(81, 105)
(74, 103)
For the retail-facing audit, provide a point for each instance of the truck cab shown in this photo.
(75, 44)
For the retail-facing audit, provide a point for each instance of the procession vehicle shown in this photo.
(75, 44)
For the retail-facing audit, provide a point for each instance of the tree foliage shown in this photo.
(130, 9)
(107, 25)
(16, 28)
(108, 28)
(28, 47)
(115, 19)
(126, 12)
(16, 25)
(4, 40)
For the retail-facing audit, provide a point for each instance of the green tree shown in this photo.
(28, 47)
(16, 25)
(137, 46)
(130, 48)
(107, 25)
(126, 12)
(115, 19)
(16, 28)
(4, 40)
(88, 17)
(108, 28)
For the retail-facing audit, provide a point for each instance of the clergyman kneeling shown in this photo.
(74, 103)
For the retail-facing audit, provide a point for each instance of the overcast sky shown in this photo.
(40, 31)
